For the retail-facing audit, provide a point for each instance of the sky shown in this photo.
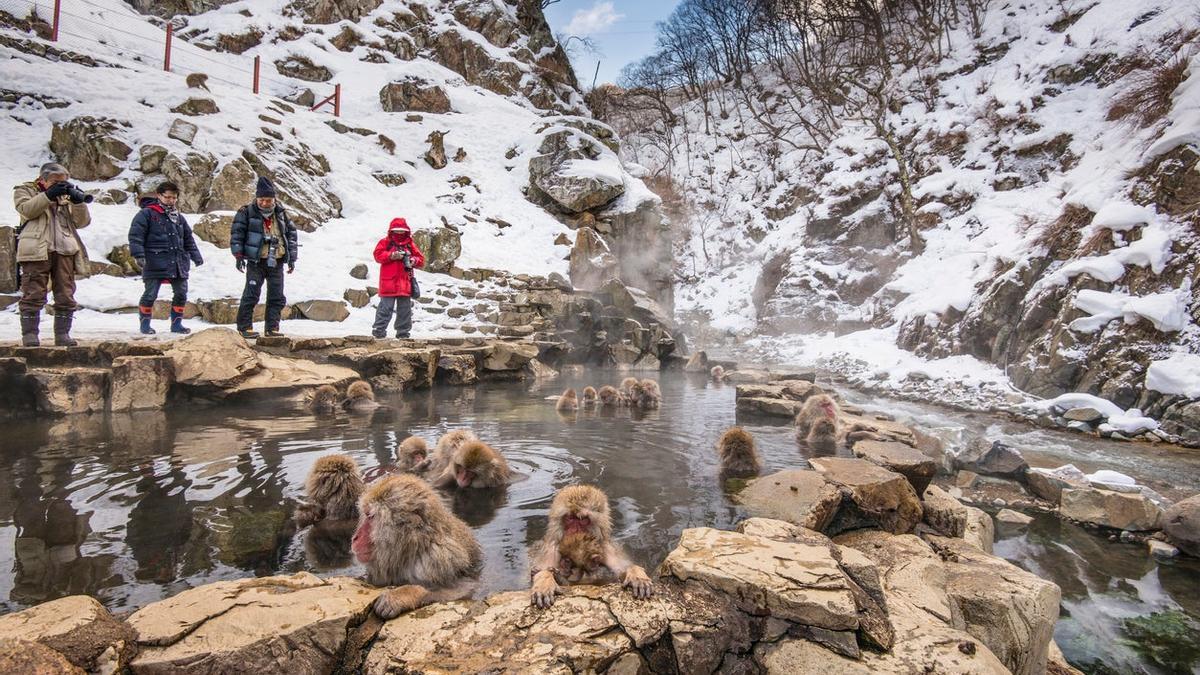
(623, 31)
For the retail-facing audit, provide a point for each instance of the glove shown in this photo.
(59, 189)
(198, 262)
(141, 262)
(291, 267)
(241, 264)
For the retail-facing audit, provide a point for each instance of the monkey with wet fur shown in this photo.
(626, 390)
(582, 509)
(817, 423)
(332, 489)
(739, 458)
(407, 538)
(581, 561)
(645, 395)
(360, 397)
(324, 400)
(609, 397)
(439, 459)
(474, 464)
(589, 397)
(411, 453)
(568, 402)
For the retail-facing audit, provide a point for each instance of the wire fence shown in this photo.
(113, 32)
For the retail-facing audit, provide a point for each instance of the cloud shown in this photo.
(594, 20)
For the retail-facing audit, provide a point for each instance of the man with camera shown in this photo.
(49, 250)
(398, 256)
(263, 240)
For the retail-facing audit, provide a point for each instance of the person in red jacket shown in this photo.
(397, 255)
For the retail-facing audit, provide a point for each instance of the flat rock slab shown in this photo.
(280, 374)
(141, 382)
(1049, 483)
(294, 624)
(773, 407)
(796, 496)
(1107, 508)
(792, 581)
(78, 628)
(901, 458)
(217, 358)
(875, 497)
(70, 391)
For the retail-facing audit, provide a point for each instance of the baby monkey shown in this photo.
(589, 397)
(581, 560)
(360, 397)
(568, 402)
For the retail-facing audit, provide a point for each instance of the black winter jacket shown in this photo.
(169, 248)
(246, 235)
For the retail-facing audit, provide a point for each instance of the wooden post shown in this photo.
(167, 54)
(337, 100)
(54, 30)
(257, 65)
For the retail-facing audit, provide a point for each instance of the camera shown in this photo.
(272, 249)
(406, 258)
(78, 196)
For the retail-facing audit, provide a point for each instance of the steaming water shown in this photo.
(134, 508)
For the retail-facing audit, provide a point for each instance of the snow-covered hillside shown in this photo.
(506, 82)
(1059, 229)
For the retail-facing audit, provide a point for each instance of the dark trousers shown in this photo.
(402, 306)
(257, 273)
(57, 274)
(178, 292)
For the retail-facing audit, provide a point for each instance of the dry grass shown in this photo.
(1147, 98)
(1062, 236)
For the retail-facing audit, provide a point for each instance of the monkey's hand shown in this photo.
(308, 514)
(638, 582)
(396, 601)
(544, 589)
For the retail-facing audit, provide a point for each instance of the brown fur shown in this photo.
(407, 537)
(412, 452)
(360, 396)
(609, 396)
(627, 386)
(333, 487)
(645, 395)
(197, 81)
(739, 457)
(387, 144)
(581, 559)
(589, 397)
(818, 422)
(569, 401)
(475, 464)
(324, 399)
(437, 462)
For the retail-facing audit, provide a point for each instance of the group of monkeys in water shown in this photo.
(411, 543)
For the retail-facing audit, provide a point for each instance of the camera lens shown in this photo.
(78, 196)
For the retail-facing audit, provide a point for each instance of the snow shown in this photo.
(1110, 477)
(1177, 374)
(1121, 216)
(1129, 422)
(1168, 311)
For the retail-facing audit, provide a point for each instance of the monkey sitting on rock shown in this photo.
(332, 490)
(408, 539)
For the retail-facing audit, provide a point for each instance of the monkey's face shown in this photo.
(361, 543)
(830, 409)
(464, 475)
(416, 456)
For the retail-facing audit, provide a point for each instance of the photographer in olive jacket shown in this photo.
(263, 240)
(49, 250)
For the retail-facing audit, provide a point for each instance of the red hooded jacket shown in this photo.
(394, 279)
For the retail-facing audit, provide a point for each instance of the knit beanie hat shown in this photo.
(264, 189)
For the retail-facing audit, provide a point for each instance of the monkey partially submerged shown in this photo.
(582, 510)
(817, 423)
(568, 402)
(360, 397)
(645, 394)
(332, 490)
(436, 462)
(626, 390)
(609, 397)
(407, 538)
(411, 453)
(324, 400)
(474, 464)
(739, 458)
(589, 397)
(717, 374)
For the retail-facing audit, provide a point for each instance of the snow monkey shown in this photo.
(717, 373)
(581, 561)
(609, 396)
(589, 397)
(437, 462)
(645, 394)
(582, 509)
(817, 423)
(407, 538)
(197, 81)
(323, 400)
(626, 389)
(568, 402)
(412, 452)
(360, 397)
(474, 464)
(333, 488)
(739, 458)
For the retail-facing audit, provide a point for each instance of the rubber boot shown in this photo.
(144, 316)
(29, 329)
(62, 329)
(177, 321)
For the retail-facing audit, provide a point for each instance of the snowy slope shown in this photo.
(496, 132)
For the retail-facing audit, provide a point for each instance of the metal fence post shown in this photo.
(257, 65)
(167, 55)
(54, 31)
(337, 100)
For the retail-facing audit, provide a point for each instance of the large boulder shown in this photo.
(141, 382)
(992, 458)
(952, 518)
(796, 496)
(32, 658)
(1049, 483)
(414, 95)
(441, 247)
(90, 148)
(872, 496)
(592, 262)
(901, 458)
(298, 174)
(333, 11)
(294, 624)
(193, 173)
(76, 627)
(214, 228)
(216, 358)
(282, 375)
(576, 172)
(232, 188)
(1109, 508)
(197, 106)
(507, 356)
(1181, 524)
(70, 390)
(323, 310)
(303, 68)
(392, 370)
